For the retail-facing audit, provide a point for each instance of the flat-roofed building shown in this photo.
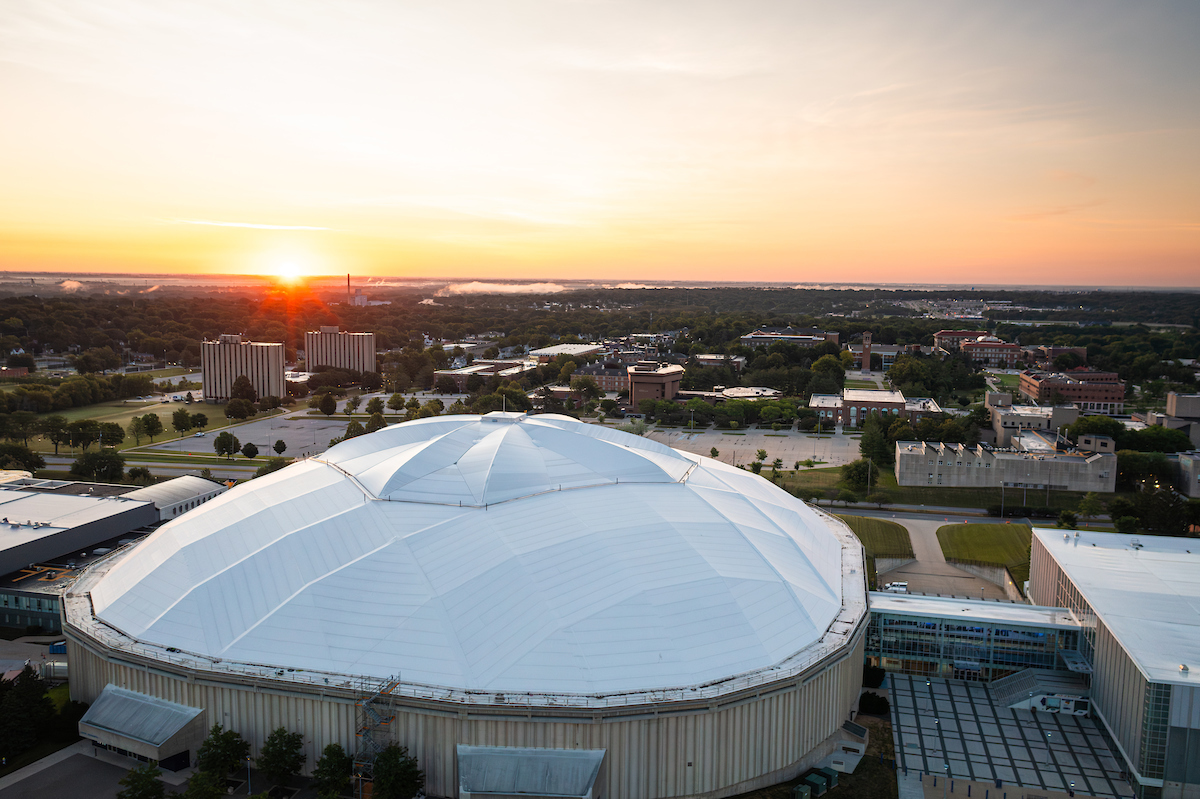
(547, 354)
(952, 340)
(338, 349)
(967, 639)
(935, 463)
(1139, 601)
(991, 351)
(229, 357)
(1099, 392)
(1184, 406)
(505, 370)
(653, 380)
(735, 362)
(1009, 419)
(801, 337)
(854, 405)
(610, 375)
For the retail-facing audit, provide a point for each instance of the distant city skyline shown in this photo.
(988, 143)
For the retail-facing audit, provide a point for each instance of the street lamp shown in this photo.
(945, 779)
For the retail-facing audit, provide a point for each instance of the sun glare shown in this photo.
(288, 272)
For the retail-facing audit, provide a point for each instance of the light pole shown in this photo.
(249, 790)
(945, 779)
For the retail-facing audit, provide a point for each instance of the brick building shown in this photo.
(853, 406)
(610, 375)
(653, 380)
(952, 340)
(991, 351)
(1099, 392)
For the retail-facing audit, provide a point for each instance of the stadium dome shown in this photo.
(497, 553)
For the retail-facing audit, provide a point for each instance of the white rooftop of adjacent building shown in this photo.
(871, 395)
(566, 349)
(991, 613)
(175, 490)
(1147, 595)
(29, 515)
(501, 553)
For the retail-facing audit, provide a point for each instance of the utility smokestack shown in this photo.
(347, 288)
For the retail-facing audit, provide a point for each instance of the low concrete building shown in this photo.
(547, 354)
(923, 463)
(801, 337)
(1189, 473)
(506, 370)
(735, 362)
(1009, 419)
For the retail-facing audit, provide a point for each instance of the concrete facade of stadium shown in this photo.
(706, 748)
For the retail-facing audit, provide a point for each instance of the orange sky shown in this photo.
(895, 142)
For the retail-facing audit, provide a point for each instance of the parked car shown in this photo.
(201, 434)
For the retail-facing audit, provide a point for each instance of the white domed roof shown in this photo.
(495, 553)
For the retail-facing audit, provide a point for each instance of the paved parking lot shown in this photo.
(735, 448)
(951, 722)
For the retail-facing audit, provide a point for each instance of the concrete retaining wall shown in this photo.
(998, 575)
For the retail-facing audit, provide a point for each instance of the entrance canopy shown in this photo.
(507, 771)
(142, 725)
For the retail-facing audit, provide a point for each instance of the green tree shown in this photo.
(54, 428)
(396, 402)
(879, 499)
(199, 420)
(22, 425)
(154, 425)
(756, 467)
(327, 404)
(142, 782)
(564, 374)
(280, 447)
(859, 473)
(19, 456)
(83, 433)
(586, 387)
(238, 408)
(222, 751)
(352, 404)
(181, 421)
(874, 443)
(272, 465)
(111, 434)
(714, 453)
(1090, 506)
(136, 428)
(226, 444)
(376, 422)
(397, 775)
(205, 785)
(845, 496)
(761, 455)
(243, 389)
(282, 756)
(375, 405)
(140, 475)
(353, 430)
(1067, 519)
(331, 775)
(249, 450)
(107, 465)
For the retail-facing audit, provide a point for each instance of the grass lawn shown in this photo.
(1002, 544)
(1007, 381)
(122, 412)
(59, 696)
(871, 780)
(880, 538)
(867, 384)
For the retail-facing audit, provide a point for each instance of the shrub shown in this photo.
(872, 676)
(873, 704)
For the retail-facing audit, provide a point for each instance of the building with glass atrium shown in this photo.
(1138, 602)
(968, 639)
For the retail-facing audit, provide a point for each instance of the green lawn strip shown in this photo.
(733, 434)
(865, 384)
(1001, 544)
(59, 696)
(776, 435)
(880, 539)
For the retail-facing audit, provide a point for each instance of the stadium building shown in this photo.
(505, 589)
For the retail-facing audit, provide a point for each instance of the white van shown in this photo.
(896, 588)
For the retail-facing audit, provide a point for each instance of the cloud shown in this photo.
(255, 225)
(480, 287)
(147, 291)
(71, 286)
(1046, 212)
(636, 286)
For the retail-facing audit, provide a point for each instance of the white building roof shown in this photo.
(871, 395)
(1148, 596)
(501, 553)
(176, 490)
(987, 613)
(566, 349)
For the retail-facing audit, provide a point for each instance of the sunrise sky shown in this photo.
(968, 142)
